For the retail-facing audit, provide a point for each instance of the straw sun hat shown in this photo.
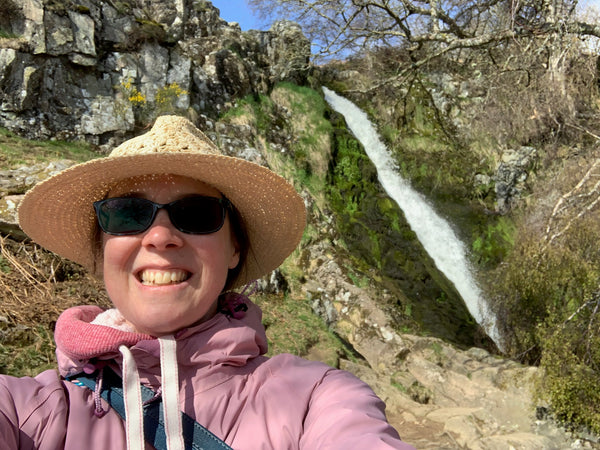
(58, 213)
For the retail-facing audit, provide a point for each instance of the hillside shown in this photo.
(438, 396)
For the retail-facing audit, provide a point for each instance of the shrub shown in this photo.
(548, 307)
(534, 283)
(165, 100)
(571, 364)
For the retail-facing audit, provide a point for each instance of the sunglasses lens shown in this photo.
(197, 215)
(194, 215)
(124, 215)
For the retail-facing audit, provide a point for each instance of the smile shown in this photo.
(162, 277)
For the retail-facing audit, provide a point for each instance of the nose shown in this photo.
(162, 234)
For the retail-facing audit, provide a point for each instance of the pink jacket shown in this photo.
(246, 399)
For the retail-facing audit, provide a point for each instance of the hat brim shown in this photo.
(58, 213)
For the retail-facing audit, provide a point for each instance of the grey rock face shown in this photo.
(511, 175)
(90, 69)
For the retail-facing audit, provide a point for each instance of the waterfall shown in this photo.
(435, 234)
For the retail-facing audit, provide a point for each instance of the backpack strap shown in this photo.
(195, 436)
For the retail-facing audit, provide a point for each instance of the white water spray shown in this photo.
(434, 233)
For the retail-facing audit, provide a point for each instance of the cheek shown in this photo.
(218, 254)
(116, 251)
(108, 252)
(115, 261)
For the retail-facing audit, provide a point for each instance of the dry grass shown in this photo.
(37, 285)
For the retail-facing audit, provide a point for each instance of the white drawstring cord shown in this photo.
(132, 396)
(134, 415)
(170, 392)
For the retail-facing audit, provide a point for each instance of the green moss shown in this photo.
(122, 7)
(149, 30)
(81, 8)
(437, 348)
(7, 34)
(5, 266)
(494, 241)
(399, 386)
(357, 278)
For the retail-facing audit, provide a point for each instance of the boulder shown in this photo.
(511, 176)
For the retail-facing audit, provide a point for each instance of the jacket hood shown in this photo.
(221, 340)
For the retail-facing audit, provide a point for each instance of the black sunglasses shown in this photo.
(123, 216)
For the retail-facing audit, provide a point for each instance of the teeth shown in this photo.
(160, 277)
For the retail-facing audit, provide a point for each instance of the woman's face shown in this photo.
(136, 267)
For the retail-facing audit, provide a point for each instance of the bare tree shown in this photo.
(338, 26)
(523, 50)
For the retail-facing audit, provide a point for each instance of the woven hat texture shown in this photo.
(58, 213)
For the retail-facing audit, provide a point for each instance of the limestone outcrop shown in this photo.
(83, 70)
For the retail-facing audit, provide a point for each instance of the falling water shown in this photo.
(434, 233)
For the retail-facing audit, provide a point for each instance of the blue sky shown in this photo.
(593, 3)
(238, 11)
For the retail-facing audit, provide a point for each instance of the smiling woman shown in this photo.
(160, 277)
(173, 225)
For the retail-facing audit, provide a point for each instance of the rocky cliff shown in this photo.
(77, 70)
